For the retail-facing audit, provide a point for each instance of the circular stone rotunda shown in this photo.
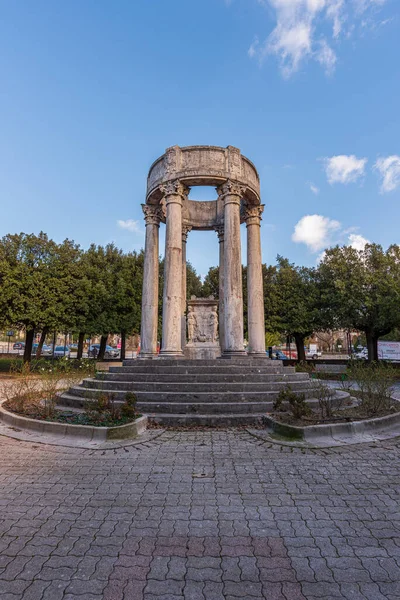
(174, 388)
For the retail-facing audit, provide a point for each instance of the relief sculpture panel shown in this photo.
(202, 329)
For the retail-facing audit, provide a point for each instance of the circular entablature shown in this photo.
(203, 166)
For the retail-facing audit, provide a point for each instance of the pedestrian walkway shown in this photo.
(199, 515)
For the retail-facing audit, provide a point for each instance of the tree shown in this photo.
(194, 286)
(361, 290)
(128, 282)
(38, 279)
(292, 302)
(211, 283)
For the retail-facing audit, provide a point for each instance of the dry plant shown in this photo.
(34, 392)
(374, 382)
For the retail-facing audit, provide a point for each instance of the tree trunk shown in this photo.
(102, 349)
(299, 339)
(372, 346)
(81, 339)
(41, 341)
(28, 345)
(123, 345)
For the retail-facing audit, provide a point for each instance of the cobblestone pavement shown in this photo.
(199, 515)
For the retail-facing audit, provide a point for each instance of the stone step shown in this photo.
(210, 387)
(85, 395)
(208, 420)
(181, 362)
(201, 377)
(206, 370)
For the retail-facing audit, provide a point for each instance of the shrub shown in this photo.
(128, 409)
(297, 402)
(35, 387)
(325, 396)
(305, 367)
(104, 408)
(374, 381)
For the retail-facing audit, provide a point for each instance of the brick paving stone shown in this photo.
(268, 522)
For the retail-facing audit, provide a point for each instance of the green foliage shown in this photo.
(211, 283)
(272, 339)
(360, 289)
(374, 382)
(104, 410)
(128, 409)
(291, 301)
(296, 402)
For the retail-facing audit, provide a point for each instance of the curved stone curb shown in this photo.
(339, 433)
(83, 432)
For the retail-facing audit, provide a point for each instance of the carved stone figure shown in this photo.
(213, 329)
(191, 325)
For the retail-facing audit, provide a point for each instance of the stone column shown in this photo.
(231, 193)
(220, 232)
(185, 231)
(149, 321)
(255, 292)
(174, 193)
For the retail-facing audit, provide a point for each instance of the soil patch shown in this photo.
(343, 415)
(75, 418)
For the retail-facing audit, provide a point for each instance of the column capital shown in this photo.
(232, 190)
(174, 191)
(153, 214)
(252, 214)
(186, 229)
(220, 229)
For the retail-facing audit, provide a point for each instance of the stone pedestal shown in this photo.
(202, 328)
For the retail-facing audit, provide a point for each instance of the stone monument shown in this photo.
(202, 329)
(238, 187)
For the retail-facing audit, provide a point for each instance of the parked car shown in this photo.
(279, 355)
(19, 346)
(73, 347)
(361, 354)
(60, 351)
(46, 350)
(314, 354)
(110, 352)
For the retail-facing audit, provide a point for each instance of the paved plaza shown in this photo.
(199, 515)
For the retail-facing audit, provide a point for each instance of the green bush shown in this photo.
(297, 402)
(374, 381)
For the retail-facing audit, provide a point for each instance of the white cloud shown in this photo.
(389, 170)
(344, 169)
(300, 32)
(357, 241)
(252, 51)
(315, 231)
(318, 233)
(314, 189)
(130, 225)
(326, 57)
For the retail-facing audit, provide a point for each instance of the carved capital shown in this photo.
(252, 214)
(220, 229)
(231, 188)
(152, 214)
(185, 232)
(175, 188)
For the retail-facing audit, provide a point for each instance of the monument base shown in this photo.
(202, 351)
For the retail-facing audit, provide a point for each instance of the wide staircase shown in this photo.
(201, 392)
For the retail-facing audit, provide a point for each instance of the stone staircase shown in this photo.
(202, 392)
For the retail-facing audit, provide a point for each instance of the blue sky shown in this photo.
(93, 91)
